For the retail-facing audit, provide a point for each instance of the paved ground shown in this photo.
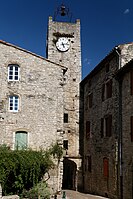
(77, 195)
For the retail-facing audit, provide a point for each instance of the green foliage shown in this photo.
(57, 151)
(39, 191)
(23, 169)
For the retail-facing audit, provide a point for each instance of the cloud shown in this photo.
(126, 11)
(87, 61)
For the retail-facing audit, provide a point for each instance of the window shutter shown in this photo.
(90, 100)
(65, 117)
(102, 127)
(89, 163)
(131, 128)
(88, 129)
(109, 89)
(103, 91)
(108, 125)
(106, 167)
(21, 140)
(131, 82)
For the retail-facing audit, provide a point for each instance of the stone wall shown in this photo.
(98, 146)
(127, 112)
(72, 60)
(40, 94)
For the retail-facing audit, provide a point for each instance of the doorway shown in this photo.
(69, 174)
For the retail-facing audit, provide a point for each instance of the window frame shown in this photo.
(106, 167)
(13, 71)
(65, 117)
(13, 102)
(65, 144)
(89, 163)
(88, 129)
(107, 89)
(17, 146)
(90, 96)
(131, 126)
(106, 126)
(131, 82)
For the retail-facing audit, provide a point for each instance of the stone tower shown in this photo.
(63, 47)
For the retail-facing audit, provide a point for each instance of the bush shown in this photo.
(23, 169)
(41, 190)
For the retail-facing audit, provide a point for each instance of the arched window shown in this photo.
(13, 72)
(14, 103)
(21, 140)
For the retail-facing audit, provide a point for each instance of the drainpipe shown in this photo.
(120, 138)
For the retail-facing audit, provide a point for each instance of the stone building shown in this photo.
(39, 98)
(106, 125)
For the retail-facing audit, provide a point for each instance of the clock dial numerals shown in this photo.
(62, 44)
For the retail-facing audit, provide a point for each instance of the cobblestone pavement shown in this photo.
(77, 195)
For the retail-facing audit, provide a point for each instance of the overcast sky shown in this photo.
(104, 24)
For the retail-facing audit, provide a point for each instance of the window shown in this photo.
(102, 127)
(88, 163)
(65, 144)
(107, 90)
(106, 167)
(13, 72)
(106, 126)
(103, 92)
(13, 103)
(90, 99)
(131, 82)
(21, 140)
(107, 67)
(87, 129)
(131, 128)
(65, 117)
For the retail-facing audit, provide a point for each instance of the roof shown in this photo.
(117, 50)
(126, 68)
(34, 54)
(99, 66)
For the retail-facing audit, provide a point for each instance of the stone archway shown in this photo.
(69, 174)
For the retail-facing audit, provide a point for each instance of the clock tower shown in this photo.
(63, 48)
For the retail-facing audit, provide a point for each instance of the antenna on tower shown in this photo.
(61, 12)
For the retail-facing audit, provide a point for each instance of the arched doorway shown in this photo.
(69, 174)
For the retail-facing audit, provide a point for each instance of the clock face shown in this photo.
(62, 44)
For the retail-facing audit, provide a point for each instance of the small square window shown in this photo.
(65, 144)
(65, 117)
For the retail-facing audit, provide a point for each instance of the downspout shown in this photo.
(120, 138)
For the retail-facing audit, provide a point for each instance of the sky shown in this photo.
(104, 25)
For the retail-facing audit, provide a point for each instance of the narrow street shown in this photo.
(77, 195)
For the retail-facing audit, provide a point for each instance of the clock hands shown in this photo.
(62, 44)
